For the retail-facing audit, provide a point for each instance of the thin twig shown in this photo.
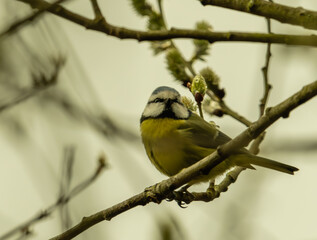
(163, 189)
(59, 202)
(265, 69)
(159, 3)
(266, 86)
(124, 33)
(254, 148)
(28, 93)
(96, 8)
(30, 18)
(25, 234)
(67, 174)
(40, 83)
(227, 110)
(200, 110)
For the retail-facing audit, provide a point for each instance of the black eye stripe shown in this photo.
(156, 100)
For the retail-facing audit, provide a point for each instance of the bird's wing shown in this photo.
(201, 133)
(203, 138)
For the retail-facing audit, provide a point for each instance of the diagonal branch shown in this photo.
(22, 22)
(63, 199)
(102, 25)
(284, 14)
(160, 191)
(39, 84)
(227, 110)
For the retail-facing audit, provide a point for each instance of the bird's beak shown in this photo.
(168, 105)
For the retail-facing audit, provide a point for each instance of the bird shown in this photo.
(175, 137)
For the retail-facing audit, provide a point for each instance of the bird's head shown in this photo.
(165, 102)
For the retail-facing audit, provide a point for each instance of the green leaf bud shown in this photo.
(212, 81)
(198, 87)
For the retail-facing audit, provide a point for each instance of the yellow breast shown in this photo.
(164, 145)
(157, 128)
(170, 151)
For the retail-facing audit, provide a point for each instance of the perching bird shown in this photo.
(175, 138)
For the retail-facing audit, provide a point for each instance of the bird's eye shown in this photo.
(156, 100)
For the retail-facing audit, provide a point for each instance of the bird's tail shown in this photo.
(244, 160)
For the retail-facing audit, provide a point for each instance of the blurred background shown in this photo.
(51, 139)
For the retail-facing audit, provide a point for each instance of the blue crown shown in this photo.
(164, 88)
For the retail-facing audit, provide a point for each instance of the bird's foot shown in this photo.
(182, 196)
(153, 194)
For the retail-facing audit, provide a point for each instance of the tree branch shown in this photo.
(227, 110)
(284, 14)
(96, 8)
(63, 199)
(267, 87)
(266, 84)
(22, 22)
(66, 179)
(39, 84)
(212, 192)
(102, 25)
(163, 189)
(232, 113)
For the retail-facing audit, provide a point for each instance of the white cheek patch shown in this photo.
(180, 110)
(153, 109)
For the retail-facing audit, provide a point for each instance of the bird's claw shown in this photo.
(182, 197)
(152, 194)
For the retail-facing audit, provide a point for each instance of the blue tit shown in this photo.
(175, 138)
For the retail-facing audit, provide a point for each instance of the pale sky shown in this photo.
(118, 76)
